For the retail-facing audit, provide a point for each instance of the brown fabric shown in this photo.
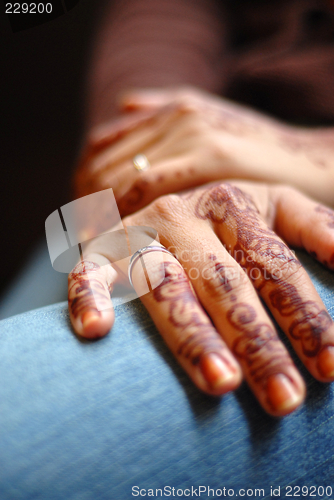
(155, 43)
(276, 55)
(282, 57)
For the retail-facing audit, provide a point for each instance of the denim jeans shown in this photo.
(118, 419)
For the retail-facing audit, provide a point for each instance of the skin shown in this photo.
(227, 239)
(190, 138)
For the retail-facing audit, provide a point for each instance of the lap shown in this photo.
(91, 420)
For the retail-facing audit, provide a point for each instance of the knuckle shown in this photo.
(284, 192)
(220, 281)
(143, 182)
(197, 125)
(220, 191)
(288, 271)
(162, 272)
(138, 193)
(287, 190)
(213, 150)
(188, 101)
(168, 206)
(270, 258)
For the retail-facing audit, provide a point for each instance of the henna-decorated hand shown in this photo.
(191, 138)
(227, 240)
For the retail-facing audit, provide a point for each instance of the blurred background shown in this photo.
(41, 122)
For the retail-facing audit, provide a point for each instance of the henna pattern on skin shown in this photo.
(327, 211)
(255, 246)
(220, 277)
(315, 149)
(133, 197)
(256, 343)
(223, 277)
(232, 123)
(230, 120)
(198, 334)
(86, 290)
(309, 320)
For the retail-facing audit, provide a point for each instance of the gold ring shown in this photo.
(140, 162)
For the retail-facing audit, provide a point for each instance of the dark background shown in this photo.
(42, 76)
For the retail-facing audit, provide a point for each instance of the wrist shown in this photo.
(316, 147)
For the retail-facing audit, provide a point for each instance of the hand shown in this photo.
(207, 307)
(191, 138)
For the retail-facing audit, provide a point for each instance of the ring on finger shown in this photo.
(138, 254)
(140, 162)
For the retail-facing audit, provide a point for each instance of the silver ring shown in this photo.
(140, 162)
(141, 252)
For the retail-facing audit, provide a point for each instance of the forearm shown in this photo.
(315, 149)
(150, 43)
(281, 153)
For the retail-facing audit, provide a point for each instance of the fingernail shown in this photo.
(282, 394)
(89, 318)
(215, 371)
(325, 362)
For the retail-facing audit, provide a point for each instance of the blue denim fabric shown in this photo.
(37, 285)
(88, 420)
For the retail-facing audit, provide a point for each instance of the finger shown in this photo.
(171, 138)
(228, 296)
(108, 133)
(305, 223)
(149, 99)
(145, 99)
(177, 156)
(147, 132)
(115, 143)
(156, 119)
(136, 190)
(277, 275)
(184, 325)
(89, 286)
(178, 129)
(102, 138)
(251, 336)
